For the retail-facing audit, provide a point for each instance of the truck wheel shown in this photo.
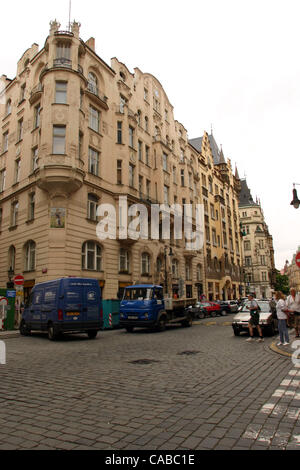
(129, 329)
(24, 330)
(92, 334)
(52, 332)
(161, 324)
(188, 322)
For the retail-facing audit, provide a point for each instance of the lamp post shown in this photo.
(10, 273)
(295, 202)
(166, 274)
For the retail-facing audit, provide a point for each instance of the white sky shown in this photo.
(233, 64)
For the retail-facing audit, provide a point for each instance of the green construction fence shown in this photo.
(111, 314)
(10, 295)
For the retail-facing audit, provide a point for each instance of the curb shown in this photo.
(9, 334)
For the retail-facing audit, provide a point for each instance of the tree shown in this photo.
(282, 283)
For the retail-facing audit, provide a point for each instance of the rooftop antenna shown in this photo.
(70, 9)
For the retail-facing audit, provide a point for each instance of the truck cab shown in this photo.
(144, 305)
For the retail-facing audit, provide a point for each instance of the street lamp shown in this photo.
(295, 202)
(166, 275)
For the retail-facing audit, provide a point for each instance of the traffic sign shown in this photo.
(298, 259)
(19, 280)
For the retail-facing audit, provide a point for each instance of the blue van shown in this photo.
(68, 305)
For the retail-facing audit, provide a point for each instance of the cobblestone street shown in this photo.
(194, 388)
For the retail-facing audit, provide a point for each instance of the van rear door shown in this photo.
(73, 310)
(92, 303)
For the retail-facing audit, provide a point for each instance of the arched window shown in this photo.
(145, 264)
(12, 258)
(91, 256)
(30, 249)
(199, 272)
(8, 107)
(159, 264)
(93, 83)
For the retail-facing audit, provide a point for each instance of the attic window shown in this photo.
(123, 76)
(26, 63)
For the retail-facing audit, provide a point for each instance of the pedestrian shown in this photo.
(254, 319)
(293, 307)
(282, 319)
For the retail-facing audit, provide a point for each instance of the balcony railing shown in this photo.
(62, 62)
(95, 91)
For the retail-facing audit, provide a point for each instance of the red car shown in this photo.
(211, 309)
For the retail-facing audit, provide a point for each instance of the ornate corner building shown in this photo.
(78, 133)
(259, 265)
(293, 272)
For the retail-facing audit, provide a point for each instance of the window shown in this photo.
(93, 162)
(124, 261)
(14, 214)
(119, 132)
(147, 149)
(165, 162)
(131, 136)
(91, 256)
(122, 104)
(145, 264)
(264, 276)
(17, 170)
(92, 207)
(140, 150)
(22, 92)
(188, 271)
(131, 175)
(119, 172)
(139, 117)
(8, 107)
(166, 115)
(207, 233)
(166, 195)
(30, 249)
(80, 145)
(181, 158)
(20, 130)
(148, 187)
(146, 94)
(94, 121)
(199, 272)
(12, 258)
(93, 83)
(182, 177)
(175, 268)
(248, 261)
(59, 140)
(174, 173)
(37, 116)
(61, 92)
(263, 260)
(214, 237)
(63, 50)
(261, 244)
(140, 185)
(5, 142)
(34, 159)
(2, 180)
(212, 211)
(31, 208)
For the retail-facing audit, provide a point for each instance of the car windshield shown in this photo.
(264, 306)
(140, 293)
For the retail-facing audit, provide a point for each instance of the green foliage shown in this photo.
(282, 283)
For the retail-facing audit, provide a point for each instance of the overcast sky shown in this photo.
(233, 65)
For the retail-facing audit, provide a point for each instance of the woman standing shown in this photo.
(282, 318)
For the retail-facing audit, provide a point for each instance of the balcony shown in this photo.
(96, 96)
(62, 62)
(36, 93)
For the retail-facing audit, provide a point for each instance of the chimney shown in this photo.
(91, 43)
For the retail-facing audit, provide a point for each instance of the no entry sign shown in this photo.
(298, 259)
(19, 280)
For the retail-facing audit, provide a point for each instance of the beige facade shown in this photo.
(293, 273)
(259, 265)
(78, 133)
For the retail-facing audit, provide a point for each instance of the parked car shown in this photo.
(228, 306)
(266, 321)
(206, 309)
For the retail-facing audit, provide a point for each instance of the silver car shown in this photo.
(266, 321)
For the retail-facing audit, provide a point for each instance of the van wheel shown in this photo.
(52, 332)
(24, 330)
(92, 334)
(129, 329)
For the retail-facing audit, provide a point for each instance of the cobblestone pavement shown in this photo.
(184, 389)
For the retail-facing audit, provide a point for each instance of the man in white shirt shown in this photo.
(293, 307)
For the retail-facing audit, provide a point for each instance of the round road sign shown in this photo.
(19, 280)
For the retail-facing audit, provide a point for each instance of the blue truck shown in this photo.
(67, 305)
(145, 306)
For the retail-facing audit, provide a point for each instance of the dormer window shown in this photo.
(93, 83)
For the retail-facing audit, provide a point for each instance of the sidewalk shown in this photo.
(9, 334)
(285, 350)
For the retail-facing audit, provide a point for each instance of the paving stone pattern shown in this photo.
(139, 391)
